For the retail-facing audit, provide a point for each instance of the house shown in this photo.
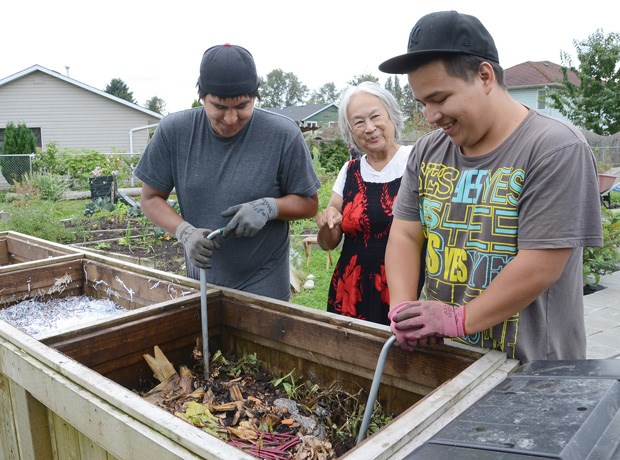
(72, 114)
(310, 117)
(530, 83)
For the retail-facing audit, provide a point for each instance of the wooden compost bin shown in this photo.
(18, 249)
(69, 395)
(85, 274)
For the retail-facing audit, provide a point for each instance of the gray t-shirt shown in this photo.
(267, 158)
(537, 190)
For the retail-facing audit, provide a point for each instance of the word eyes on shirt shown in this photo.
(471, 222)
(473, 186)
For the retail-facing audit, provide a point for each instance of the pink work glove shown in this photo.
(425, 322)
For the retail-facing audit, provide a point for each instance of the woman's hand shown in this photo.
(329, 217)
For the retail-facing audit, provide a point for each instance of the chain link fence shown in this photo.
(13, 168)
(607, 157)
(75, 168)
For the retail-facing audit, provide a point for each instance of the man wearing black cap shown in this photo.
(504, 199)
(233, 166)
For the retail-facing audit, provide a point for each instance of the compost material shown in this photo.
(269, 418)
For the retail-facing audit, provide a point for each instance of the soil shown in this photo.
(147, 244)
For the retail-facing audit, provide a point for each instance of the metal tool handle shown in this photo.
(374, 389)
(203, 311)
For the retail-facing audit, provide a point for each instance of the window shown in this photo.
(542, 99)
(35, 131)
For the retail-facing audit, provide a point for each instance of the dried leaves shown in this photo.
(240, 405)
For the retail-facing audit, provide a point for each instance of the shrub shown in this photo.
(49, 186)
(80, 165)
(606, 259)
(18, 140)
(333, 155)
(47, 160)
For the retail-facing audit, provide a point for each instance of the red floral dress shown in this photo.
(358, 287)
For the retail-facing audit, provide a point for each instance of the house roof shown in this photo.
(52, 73)
(302, 112)
(539, 73)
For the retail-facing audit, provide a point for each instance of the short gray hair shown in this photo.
(388, 100)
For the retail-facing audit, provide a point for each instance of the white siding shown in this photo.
(70, 115)
(529, 97)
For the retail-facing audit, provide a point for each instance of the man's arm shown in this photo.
(519, 283)
(293, 207)
(402, 260)
(155, 206)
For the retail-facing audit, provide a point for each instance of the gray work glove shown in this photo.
(198, 247)
(250, 217)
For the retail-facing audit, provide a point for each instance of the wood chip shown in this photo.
(161, 367)
(235, 393)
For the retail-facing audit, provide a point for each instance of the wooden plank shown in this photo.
(4, 252)
(91, 451)
(22, 250)
(128, 288)
(140, 269)
(52, 279)
(31, 425)
(428, 367)
(113, 417)
(66, 439)
(11, 234)
(38, 263)
(9, 448)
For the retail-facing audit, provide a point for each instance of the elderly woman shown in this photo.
(360, 208)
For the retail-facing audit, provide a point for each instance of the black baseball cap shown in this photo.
(443, 32)
(227, 71)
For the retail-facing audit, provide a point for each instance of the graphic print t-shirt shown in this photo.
(536, 190)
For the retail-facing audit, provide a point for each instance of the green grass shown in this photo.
(41, 218)
(317, 297)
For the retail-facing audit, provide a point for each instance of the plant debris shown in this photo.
(270, 418)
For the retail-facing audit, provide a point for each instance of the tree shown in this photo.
(326, 94)
(156, 104)
(119, 88)
(281, 89)
(357, 79)
(196, 103)
(594, 103)
(18, 140)
(410, 106)
(392, 84)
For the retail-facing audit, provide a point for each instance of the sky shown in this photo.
(155, 47)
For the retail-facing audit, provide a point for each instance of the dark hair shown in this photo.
(255, 93)
(462, 66)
